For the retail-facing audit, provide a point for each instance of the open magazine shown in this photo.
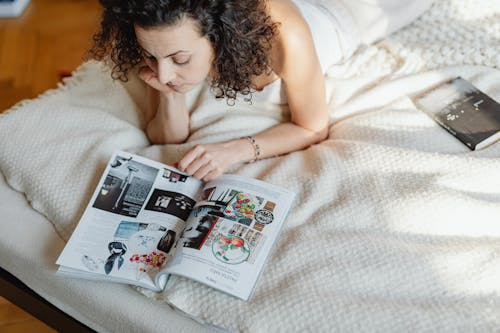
(147, 220)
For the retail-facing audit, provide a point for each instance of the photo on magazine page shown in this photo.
(229, 223)
(227, 241)
(172, 203)
(128, 184)
(135, 250)
(230, 233)
(125, 187)
(137, 212)
(149, 247)
(147, 193)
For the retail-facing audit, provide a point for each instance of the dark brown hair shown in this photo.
(240, 32)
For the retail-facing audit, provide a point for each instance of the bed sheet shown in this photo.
(396, 223)
(29, 246)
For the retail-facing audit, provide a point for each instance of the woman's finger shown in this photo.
(190, 156)
(197, 164)
(147, 75)
(212, 175)
(204, 170)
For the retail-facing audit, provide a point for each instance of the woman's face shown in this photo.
(178, 54)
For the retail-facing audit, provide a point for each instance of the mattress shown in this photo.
(29, 247)
(396, 223)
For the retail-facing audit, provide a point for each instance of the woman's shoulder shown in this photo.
(294, 34)
(287, 14)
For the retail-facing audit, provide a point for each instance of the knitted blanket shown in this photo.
(395, 226)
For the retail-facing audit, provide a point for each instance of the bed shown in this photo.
(395, 226)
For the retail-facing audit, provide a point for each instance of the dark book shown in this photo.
(464, 111)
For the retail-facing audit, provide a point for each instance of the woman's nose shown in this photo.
(166, 73)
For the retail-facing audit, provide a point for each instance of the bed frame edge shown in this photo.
(16, 292)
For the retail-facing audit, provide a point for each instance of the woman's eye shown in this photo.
(181, 61)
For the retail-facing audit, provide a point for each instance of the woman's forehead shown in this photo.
(169, 38)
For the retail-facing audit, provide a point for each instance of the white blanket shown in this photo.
(396, 222)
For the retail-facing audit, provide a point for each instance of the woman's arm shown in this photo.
(299, 68)
(294, 59)
(208, 161)
(167, 117)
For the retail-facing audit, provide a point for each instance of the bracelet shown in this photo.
(256, 148)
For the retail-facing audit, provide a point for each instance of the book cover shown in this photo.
(464, 111)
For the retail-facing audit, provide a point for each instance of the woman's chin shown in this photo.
(184, 88)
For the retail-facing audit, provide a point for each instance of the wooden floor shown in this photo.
(47, 40)
(15, 320)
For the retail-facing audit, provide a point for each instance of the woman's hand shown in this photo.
(148, 75)
(209, 161)
(167, 119)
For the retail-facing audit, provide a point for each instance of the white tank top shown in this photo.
(335, 38)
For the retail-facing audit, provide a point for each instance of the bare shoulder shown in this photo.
(292, 25)
(294, 36)
(282, 8)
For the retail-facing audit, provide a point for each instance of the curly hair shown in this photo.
(240, 31)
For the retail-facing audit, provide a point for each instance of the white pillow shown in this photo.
(54, 147)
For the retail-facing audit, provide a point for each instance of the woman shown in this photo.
(243, 48)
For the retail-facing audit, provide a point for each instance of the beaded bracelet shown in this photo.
(256, 148)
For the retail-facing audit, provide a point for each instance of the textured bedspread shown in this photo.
(396, 224)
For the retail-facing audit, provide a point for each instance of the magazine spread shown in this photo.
(464, 111)
(147, 220)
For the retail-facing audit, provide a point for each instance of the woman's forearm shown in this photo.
(170, 122)
(208, 161)
(280, 139)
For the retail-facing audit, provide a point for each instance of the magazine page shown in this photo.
(131, 223)
(230, 233)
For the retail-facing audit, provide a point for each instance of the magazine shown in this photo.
(147, 220)
(464, 111)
